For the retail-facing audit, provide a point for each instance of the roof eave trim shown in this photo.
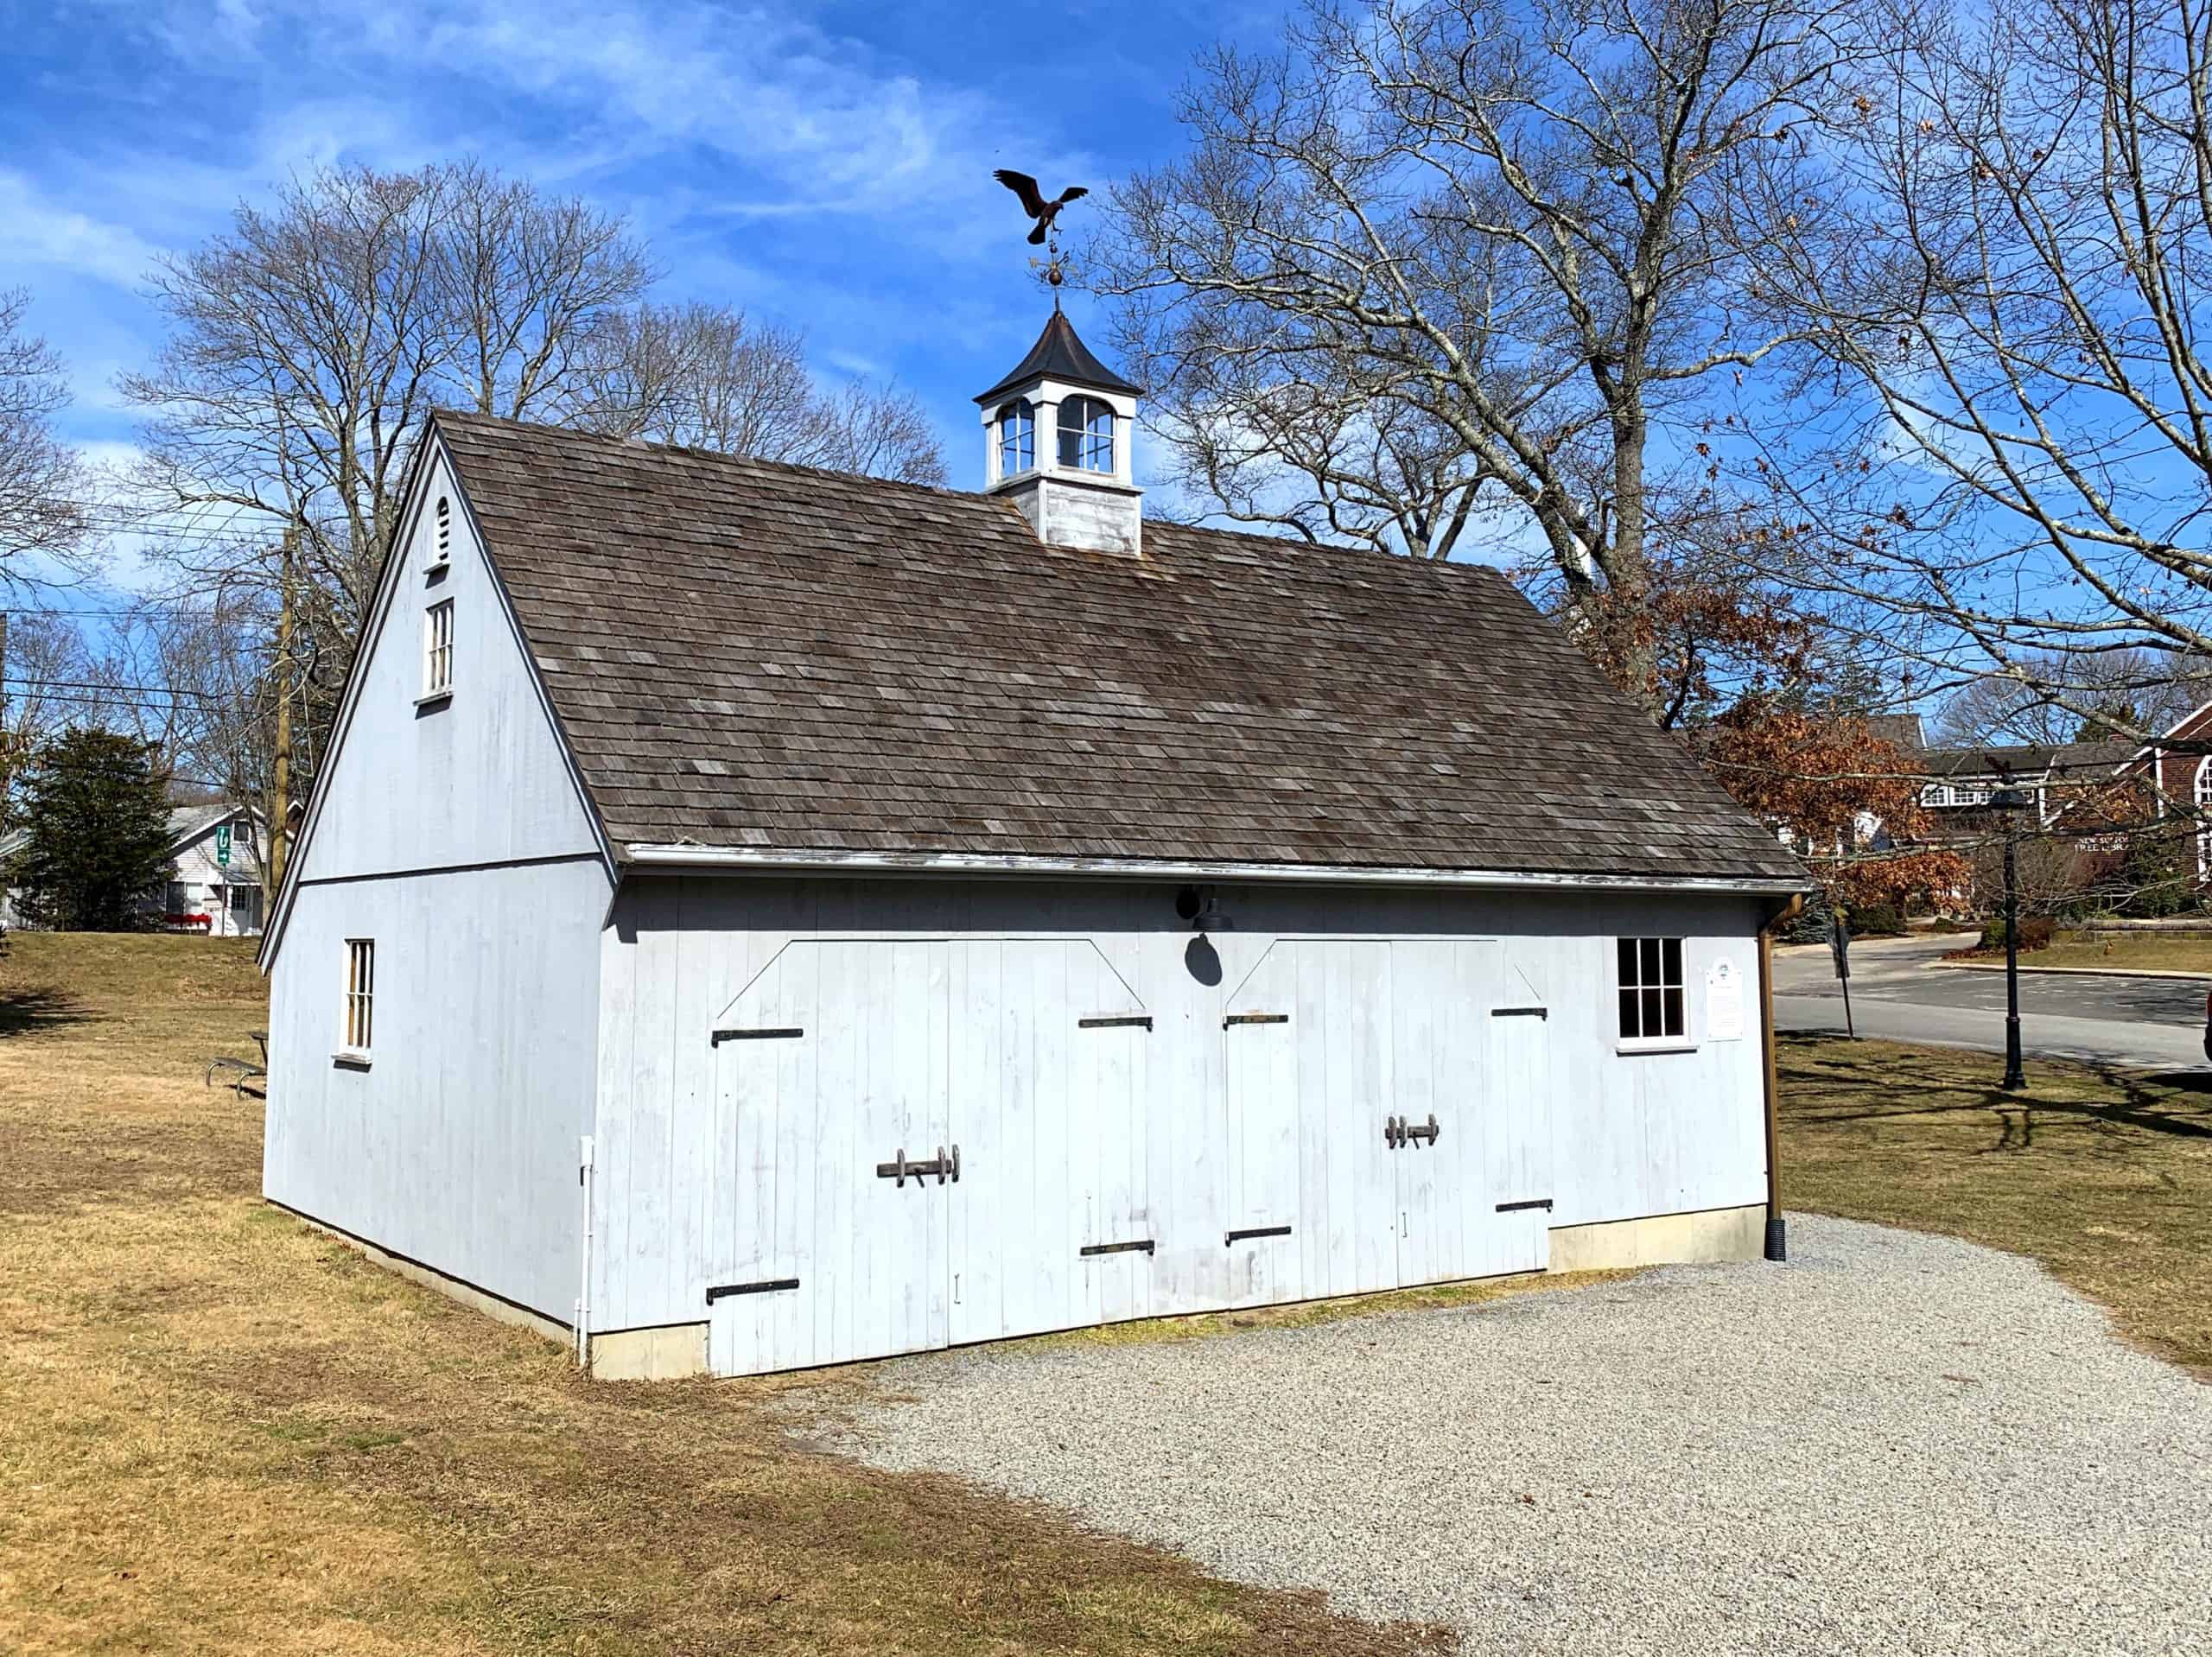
(971, 863)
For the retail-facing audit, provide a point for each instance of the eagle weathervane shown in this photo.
(1046, 231)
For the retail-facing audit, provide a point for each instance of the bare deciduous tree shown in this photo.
(707, 377)
(309, 344)
(42, 512)
(48, 680)
(1511, 221)
(2136, 687)
(2007, 423)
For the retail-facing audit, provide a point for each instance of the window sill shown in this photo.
(1667, 1044)
(435, 699)
(350, 1058)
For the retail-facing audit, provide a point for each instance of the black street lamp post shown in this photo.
(2009, 802)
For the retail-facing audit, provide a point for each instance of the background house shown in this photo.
(753, 918)
(215, 883)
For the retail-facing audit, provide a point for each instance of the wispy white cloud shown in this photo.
(44, 233)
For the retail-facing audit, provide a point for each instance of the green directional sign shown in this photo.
(223, 845)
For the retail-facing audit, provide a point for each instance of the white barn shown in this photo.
(756, 917)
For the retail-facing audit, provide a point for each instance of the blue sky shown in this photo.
(823, 165)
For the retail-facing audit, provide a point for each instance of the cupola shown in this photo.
(1056, 443)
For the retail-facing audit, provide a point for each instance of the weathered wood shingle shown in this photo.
(745, 654)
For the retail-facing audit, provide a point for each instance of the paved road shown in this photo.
(2146, 1023)
(1892, 1445)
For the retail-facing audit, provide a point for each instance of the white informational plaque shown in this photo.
(1723, 1001)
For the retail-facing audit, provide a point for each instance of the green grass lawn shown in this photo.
(2105, 1177)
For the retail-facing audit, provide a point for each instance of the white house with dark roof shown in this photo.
(755, 917)
(214, 884)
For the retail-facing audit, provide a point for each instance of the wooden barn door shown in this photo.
(1441, 989)
(1517, 1143)
(834, 1060)
(1051, 1051)
(1312, 1195)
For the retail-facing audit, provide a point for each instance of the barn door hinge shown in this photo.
(897, 1169)
(1254, 1017)
(781, 1033)
(1543, 1203)
(1399, 1131)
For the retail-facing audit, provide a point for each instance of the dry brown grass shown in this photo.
(2129, 951)
(2104, 1176)
(226, 1432)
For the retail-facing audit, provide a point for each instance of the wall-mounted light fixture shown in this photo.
(1201, 906)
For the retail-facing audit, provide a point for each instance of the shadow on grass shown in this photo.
(2177, 1103)
(26, 1011)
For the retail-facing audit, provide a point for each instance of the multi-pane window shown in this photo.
(360, 993)
(437, 649)
(1086, 435)
(1017, 438)
(2202, 797)
(1651, 989)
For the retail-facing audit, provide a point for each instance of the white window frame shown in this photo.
(1629, 981)
(1017, 434)
(437, 651)
(2199, 794)
(442, 536)
(357, 1008)
(1089, 441)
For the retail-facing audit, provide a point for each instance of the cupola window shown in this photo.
(1017, 438)
(1086, 435)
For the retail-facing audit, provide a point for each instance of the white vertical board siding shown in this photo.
(478, 778)
(1175, 1135)
(457, 1146)
(454, 834)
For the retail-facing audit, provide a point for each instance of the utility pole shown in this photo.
(281, 790)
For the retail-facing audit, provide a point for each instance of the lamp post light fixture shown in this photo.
(2009, 802)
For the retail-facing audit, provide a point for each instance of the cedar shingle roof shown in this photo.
(755, 655)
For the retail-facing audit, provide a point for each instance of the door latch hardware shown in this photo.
(1090, 1250)
(1543, 1203)
(1256, 1231)
(722, 1035)
(766, 1286)
(944, 1167)
(1398, 1131)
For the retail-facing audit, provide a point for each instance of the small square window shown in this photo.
(359, 1022)
(1652, 1006)
(437, 649)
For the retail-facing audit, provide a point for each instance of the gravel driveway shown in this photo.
(1894, 1443)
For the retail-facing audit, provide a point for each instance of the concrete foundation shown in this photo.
(666, 1353)
(1661, 1239)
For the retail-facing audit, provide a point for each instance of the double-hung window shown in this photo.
(358, 1024)
(1650, 991)
(437, 649)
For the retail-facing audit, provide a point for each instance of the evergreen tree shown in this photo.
(99, 828)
